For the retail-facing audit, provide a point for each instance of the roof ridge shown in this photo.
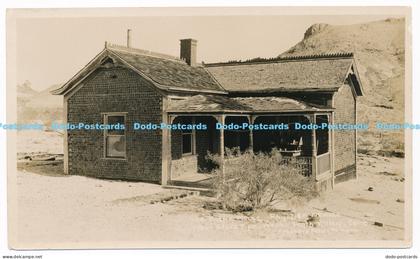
(143, 52)
(284, 58)
(325, 55)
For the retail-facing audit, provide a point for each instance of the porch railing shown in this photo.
(301, 163)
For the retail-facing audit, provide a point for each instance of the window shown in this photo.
(187, 138)
(114, 145)
(322, 136)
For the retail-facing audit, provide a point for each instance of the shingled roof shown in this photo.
(301, 73)
(224, 104)
(164, 71)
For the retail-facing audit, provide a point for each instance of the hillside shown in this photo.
(379, 52)
(34, 106)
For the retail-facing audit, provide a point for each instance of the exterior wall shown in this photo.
(115, 89)
(345, 141)
(205, 140)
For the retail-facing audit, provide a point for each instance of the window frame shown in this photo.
(106, 115)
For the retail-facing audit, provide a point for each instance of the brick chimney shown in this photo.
(189, 51)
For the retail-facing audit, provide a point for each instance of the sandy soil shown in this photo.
(74, 211)
(33, 141)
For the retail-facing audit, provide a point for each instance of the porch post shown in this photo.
(65, 137)
(331, 149)
(221, 120)
(167, 151)
(314, 148)
(251, 120)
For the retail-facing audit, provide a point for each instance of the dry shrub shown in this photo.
(256, 180)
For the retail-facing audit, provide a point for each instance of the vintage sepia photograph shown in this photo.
(265, 127)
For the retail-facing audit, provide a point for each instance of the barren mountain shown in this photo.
(34, 106)
(379, 49)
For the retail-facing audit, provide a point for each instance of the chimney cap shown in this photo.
(189, 39)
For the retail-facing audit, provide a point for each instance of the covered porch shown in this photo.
(273, 123)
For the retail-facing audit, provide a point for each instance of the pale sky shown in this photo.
(51, 50)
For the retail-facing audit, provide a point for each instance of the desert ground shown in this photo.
(62, 211)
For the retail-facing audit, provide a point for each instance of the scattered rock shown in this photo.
(398, 179)
(370, 189)
(280, 210)
(384, 106)
(363, 200)
(212, 206)
(243, 208)
(400, 200)
(387, 173)
(313, 220)
(398, 153)
(167, 198)
(379, 224)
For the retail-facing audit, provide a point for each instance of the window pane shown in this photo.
(115, 146)
(186, 143)
(114, 120)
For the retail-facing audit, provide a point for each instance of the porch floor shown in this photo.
(198, 180)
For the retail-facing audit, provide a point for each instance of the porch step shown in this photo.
(198, 184)
(199, 190)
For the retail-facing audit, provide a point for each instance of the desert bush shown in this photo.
(256, 180)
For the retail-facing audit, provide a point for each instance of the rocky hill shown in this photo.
(379, 49)
(38, 106)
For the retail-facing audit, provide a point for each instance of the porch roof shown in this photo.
(224, 104)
